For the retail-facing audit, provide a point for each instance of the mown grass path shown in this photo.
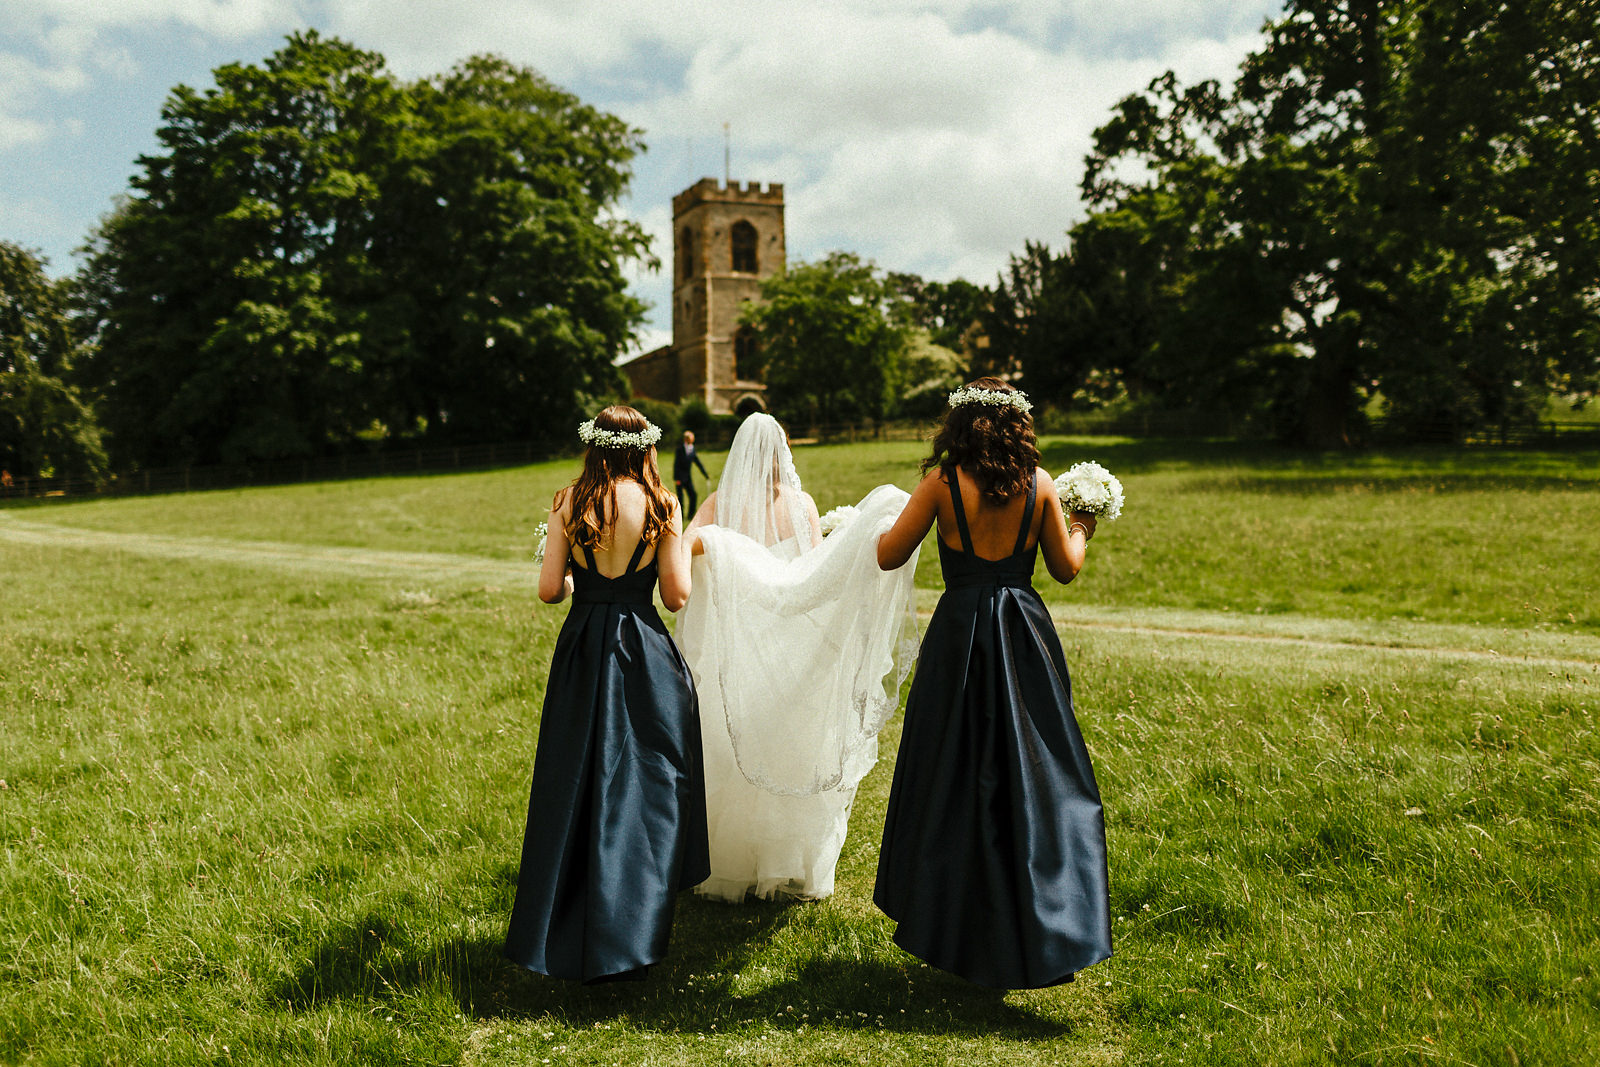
(1484, 643)
(265, 753)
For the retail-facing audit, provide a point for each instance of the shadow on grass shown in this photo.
(1437, 484)
(693, 989)
(1435, 467)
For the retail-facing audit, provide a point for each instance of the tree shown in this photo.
(45, 427)
(946, 310)
(320, 248)
(829, 341)
(509, 260)
(1405, 189)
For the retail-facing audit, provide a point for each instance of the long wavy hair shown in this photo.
(993, 444)
(594, 493)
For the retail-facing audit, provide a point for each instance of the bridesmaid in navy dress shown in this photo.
(994, 855)
(617, 815)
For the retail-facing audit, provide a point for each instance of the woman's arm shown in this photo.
(898, 542)
(1062, 543)
(705, 515)
(555, 583)
(812, 517)
(674, 564)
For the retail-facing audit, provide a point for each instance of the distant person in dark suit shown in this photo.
(683, 463)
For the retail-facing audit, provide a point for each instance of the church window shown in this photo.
(744, 247)
(686, 251)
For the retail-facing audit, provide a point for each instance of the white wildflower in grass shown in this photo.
(837, 518)
(542, 532)
(1090, 487)
(421, 598)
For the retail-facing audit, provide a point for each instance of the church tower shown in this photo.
(726, 240)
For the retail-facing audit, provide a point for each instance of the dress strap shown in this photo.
(961, 514)
(588, 556)
(638, 554)
(1027, 514)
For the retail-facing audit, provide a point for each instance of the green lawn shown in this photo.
(266, 755)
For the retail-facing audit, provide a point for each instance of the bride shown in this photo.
(798, 644)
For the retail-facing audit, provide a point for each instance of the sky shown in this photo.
(933, 136)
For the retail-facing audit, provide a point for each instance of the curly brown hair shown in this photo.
(994, 444)
(594, 492)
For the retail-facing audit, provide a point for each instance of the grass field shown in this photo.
(266, 752)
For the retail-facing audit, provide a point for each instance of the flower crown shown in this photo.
(599, 437)
(968, 394)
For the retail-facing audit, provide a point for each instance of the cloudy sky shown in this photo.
(933, 136)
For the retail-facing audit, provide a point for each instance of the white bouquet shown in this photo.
(837, 518)
(1090, 487)
(542, 531)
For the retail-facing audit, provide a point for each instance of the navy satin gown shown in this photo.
(617, 815)
(994, 849)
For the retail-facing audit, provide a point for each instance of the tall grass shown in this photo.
(254, 814)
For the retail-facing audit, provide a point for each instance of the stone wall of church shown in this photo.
(654, 374)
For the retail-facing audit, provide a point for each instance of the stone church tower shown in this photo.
(726, 240)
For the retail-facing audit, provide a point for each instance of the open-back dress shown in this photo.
(617, 814)
(994, 855)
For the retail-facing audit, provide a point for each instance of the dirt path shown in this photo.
(276, 554)
(434, 567)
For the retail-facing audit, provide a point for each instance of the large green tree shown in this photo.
(1394, 199)
(831, 340)
(45, 428)
(320, 248)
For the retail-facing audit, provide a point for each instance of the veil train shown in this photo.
(799, 645)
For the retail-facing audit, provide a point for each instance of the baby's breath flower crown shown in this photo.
(599, 437)
(993, 397)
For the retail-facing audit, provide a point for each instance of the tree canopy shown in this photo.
(1392, 205)
(45, 428)
(831, 341)
(322, 251)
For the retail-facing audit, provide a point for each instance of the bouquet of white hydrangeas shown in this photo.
(837, 518)
(542, 532)
(1090, 487)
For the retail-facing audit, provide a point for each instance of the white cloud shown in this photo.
(930, 135)
(72, 26)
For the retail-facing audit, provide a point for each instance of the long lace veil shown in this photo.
(803, 645)
(759, 493)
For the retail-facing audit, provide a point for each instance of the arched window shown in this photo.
(746, 364)
(744, 247)
(686, 251)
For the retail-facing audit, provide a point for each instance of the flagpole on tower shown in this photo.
(727, 154)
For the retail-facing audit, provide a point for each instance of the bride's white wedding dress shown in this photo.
(798, 646)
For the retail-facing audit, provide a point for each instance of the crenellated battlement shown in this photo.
(712, 191)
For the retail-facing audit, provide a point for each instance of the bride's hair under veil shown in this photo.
(759, 494)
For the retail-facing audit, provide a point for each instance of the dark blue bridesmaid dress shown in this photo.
(617, 815)
(994, 849)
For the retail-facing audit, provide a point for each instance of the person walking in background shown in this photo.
(683, 463)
